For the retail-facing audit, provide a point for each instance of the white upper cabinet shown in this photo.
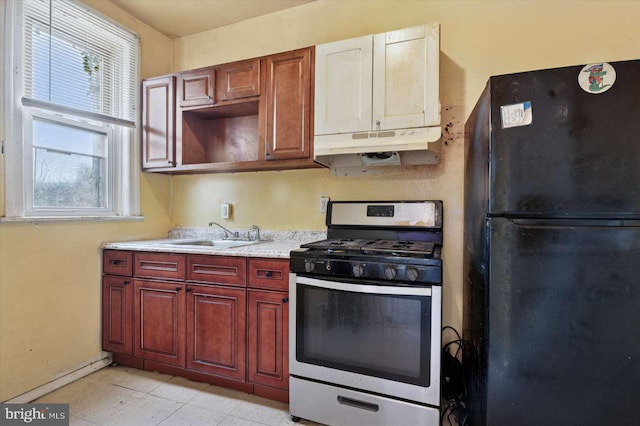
(344, 78)
(378, 82)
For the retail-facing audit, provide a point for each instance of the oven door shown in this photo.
(374, 338)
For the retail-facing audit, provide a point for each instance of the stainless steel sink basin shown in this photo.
(211, 243)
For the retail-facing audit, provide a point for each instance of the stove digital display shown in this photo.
(380, 211)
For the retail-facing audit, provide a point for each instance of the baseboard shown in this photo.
(60, 382)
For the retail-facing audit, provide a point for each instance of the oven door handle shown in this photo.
(365, 288)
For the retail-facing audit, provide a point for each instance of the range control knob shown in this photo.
(309, 265)
(357, 269)
(412, 274)
(390, 272)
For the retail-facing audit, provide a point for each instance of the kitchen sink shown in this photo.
(211, 243)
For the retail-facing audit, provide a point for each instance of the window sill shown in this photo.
(47, 219)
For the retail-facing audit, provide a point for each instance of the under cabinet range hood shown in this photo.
(377, 99)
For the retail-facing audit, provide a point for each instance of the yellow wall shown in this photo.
(50, 273)
(478, 39)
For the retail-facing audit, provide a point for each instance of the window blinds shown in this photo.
(77, 62)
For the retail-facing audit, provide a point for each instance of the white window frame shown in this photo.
(16, 115)
(28, 152)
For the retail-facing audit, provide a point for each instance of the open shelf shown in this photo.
(220, 134)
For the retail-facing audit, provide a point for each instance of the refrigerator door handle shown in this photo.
(574, 223)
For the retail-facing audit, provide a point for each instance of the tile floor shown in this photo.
(122, 396)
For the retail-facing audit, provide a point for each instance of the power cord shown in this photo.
(454, 389)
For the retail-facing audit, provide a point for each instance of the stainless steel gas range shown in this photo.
(365, 316)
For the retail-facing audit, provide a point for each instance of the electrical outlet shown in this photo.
(225, 210)
(323, 204)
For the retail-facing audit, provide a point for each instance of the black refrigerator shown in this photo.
(552, 248)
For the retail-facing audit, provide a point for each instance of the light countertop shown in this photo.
(274, 244)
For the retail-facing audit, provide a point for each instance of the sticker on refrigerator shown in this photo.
(516, 115)
(597, 78)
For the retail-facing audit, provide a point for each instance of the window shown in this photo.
(70, 113)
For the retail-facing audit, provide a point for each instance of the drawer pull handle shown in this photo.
(116, 261)
(266, 273)
(285, 299)
(358, 404)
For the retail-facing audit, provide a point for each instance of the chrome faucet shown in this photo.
(256, 233)
(227, 234)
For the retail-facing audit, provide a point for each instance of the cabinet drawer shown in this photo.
(117, 262)
(217, 270)
(159, 265)
(269, 273)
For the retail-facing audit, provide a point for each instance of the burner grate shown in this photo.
(374, 247)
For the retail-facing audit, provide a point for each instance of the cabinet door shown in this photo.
(343, 80)
(159, 313)
(405, 78)
(117, 316)
(196, 88)
(216, 330)
(238, 80)
(288, 103)
(269, 338)
(158, 122)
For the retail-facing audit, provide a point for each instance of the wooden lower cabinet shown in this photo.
(216, 330)
(159, 321)
(117, 303)
(268, 358)
(225, 321)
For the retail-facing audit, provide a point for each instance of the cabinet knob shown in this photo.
(178, 288)
(285, 299)
(126, 282)
(268, 274)
(188, 289)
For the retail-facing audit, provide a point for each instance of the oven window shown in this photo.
(379, 335)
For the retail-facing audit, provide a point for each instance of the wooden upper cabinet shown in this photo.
(249, 115)
(288, 105)
(197, 88)
(238, 80)
(158, 122)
